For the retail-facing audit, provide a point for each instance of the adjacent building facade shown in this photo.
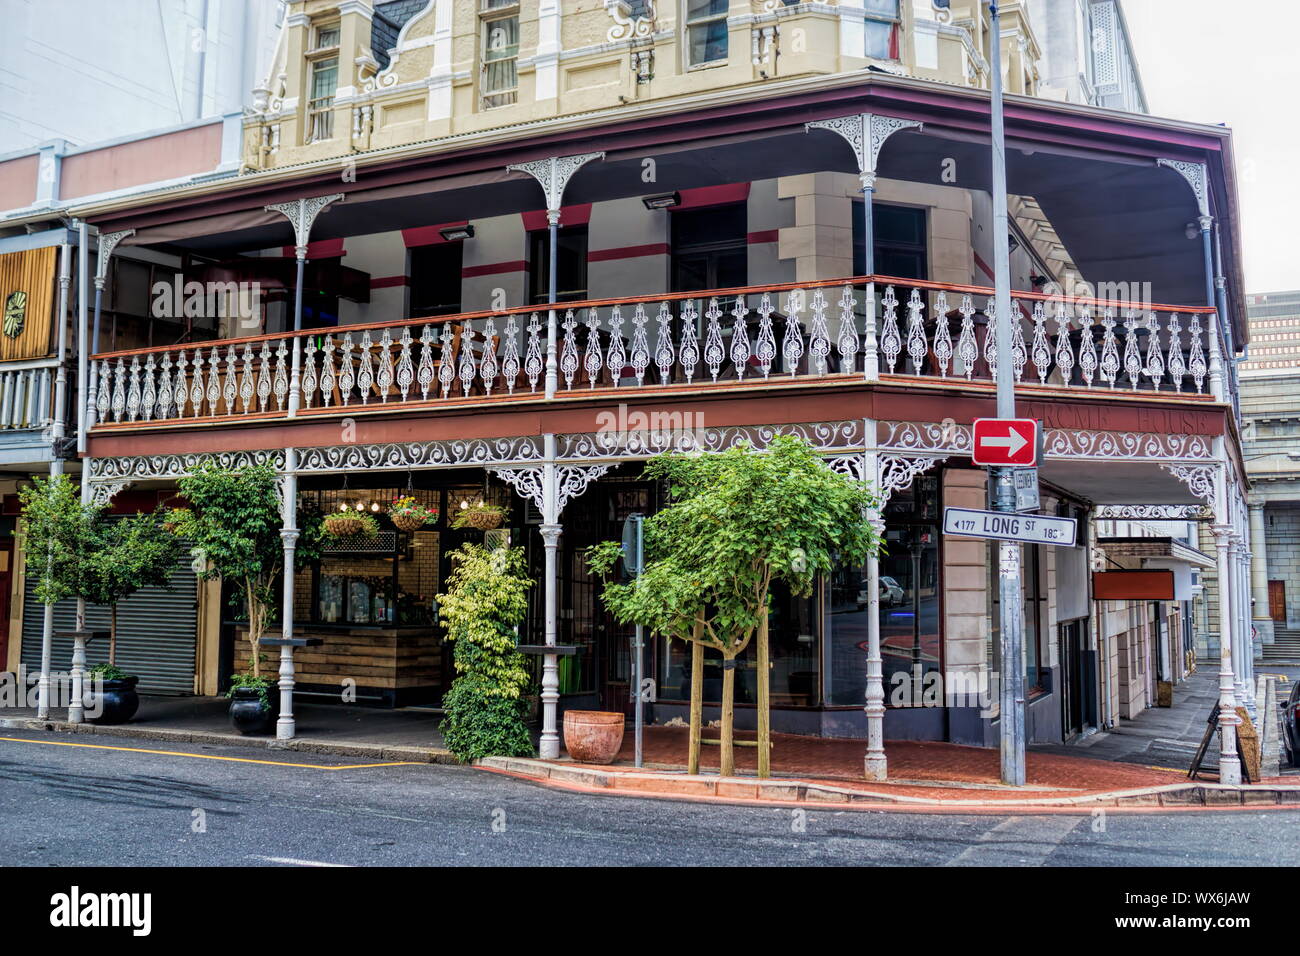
(538, 243)
(1270, 374)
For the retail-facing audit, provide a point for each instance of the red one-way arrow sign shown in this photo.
(1005, 441)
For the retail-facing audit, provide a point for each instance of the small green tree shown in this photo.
(234, 523)
(485, 602)
(60, 537)
(737, 522)
(130, 553)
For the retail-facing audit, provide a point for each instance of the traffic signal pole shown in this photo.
(1011, 608)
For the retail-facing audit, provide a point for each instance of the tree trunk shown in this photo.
(764, 699)
(254, 625)
(697, 702)
(727, 760)
(112, 634)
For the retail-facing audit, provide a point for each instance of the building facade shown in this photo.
(763, 218)
(1269, 374)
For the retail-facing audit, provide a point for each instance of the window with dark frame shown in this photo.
(435, 276)
(900, 244)
(571, 265)
(710, 249)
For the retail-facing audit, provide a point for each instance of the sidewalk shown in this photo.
(1158, 736)
(406, 734)
(1140, 764)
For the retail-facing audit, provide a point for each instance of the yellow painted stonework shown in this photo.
(576, 56)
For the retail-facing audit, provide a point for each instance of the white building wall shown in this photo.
(87, 71)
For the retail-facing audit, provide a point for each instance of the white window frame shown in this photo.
(689, 24)
(896, 26)
(491, 11)
(318, 30)
(320, 109)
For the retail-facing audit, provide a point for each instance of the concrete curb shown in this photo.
(682, 786)
(301, 745)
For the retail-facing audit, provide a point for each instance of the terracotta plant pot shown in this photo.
(593, 736)
(408, 522)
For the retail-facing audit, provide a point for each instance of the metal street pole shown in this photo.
(639, 650)
(1012, 713)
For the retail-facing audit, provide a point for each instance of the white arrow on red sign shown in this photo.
(1005, 441)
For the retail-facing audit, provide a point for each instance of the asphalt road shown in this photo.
(81, 805)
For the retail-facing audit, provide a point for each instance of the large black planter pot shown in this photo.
(117, 702)
(249, 715)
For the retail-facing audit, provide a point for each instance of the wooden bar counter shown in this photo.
(401, 665)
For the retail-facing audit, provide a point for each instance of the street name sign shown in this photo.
(1002, 442)
(1026, 484)
(1004, 526)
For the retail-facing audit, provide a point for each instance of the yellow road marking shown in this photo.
(178, 753)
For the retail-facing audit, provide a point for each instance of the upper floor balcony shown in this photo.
(718, 246)
(825, 332)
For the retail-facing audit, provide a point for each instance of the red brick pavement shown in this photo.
(841, 761)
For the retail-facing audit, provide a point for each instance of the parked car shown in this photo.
(891, 593)
(1291, 724)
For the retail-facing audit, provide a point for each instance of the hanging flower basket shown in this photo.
(480, 517)
(407, 514)
(351, 526)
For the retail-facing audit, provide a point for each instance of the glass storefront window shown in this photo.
(793, 642)
(909, 592)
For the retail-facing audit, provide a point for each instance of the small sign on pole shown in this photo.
(1002, 526)
(1026, 484)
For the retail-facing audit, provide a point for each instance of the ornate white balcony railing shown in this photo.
(854, 328)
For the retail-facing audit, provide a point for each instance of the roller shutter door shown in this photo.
(156, 633)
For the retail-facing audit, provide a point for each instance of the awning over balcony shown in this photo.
(1094, 173)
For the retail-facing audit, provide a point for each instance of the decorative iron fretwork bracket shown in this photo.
(866, 134)
(1195, 174)
(107, 243)
(302, 214)
(553, 174)
(570, 482)
(103, 492)
(1199, 479)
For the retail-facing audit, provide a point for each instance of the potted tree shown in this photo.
(130, 553)
(485, 602)
(234, 522)
(737, 521)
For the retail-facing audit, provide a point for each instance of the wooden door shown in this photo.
(1277, 601)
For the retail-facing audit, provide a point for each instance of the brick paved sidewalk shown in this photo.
(910, 762)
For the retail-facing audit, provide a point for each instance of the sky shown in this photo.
(1235, 63)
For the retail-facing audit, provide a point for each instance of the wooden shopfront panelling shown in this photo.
(30, 272)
